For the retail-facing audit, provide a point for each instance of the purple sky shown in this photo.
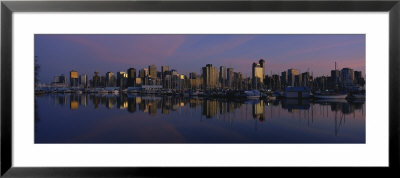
(59, 54)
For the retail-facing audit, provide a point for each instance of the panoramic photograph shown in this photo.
(199, 88)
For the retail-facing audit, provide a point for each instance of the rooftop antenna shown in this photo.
(335, 65)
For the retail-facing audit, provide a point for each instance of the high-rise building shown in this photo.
(262, 65)
(357, 74)
(122, 79)
(210, 76)
(96, 80)
(291, 76)
(276, 82)
(347, 76)
(143, 73)
(257, 75)
(359, 78)
(335, 77)
(131, 77)
(229, 77)
(298, 80)
(305, 79)
(62, 79)
(59, 81)
(74, 78)
(195, 80)
(110, 79)
(144, 76)
(284, 79)
(222, 76)
(163, 70)
(153, 72)
(83, 80)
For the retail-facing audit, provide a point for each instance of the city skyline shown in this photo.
(59, 54)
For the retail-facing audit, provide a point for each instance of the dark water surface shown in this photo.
(94, 118)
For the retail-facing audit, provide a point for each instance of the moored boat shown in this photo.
(252, 94)
(329, 95)
(296, 92)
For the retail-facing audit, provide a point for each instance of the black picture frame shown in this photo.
(8, 7)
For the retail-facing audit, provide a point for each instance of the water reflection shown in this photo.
(210, 107)
(314, 114)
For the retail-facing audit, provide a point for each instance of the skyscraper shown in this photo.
(110, 79)
(96, 80)
(210, 76)
(122, 79)
(262, 64)
(284, 79)
(305, 79)
(83, 80)
(335, 77)
(257, 75)
(298, 80)
(229, 77)
(291, 76)
(143, 72)
(222, 76)
(163, 70)
(144, 75)
(131, 77)
(276, 84)
(347, 76)
(74, 78)
(358, 78)
(153, 72)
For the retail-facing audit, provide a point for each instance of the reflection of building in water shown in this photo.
(83, 100)
(123, 105)
(165, 105)
(164, 110)
(73, 102)
(142, 106)
(74, 105)
(347, 108)
(103, 100)
(95, 101)
(175, 106)
(344, 107)
(122, 101)
(230, 106)
(193, 103)
(259, 110)
(293, 105)
(152, 107)
(222, 107)
(110, 102)
(138, 99)
(210, 108)
(61, 99)
(132, 104)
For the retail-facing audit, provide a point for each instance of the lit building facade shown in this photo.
(74, 78)
(122, 80)
(210, 77)
(257, 75)
(110, 79)
(291, 76)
